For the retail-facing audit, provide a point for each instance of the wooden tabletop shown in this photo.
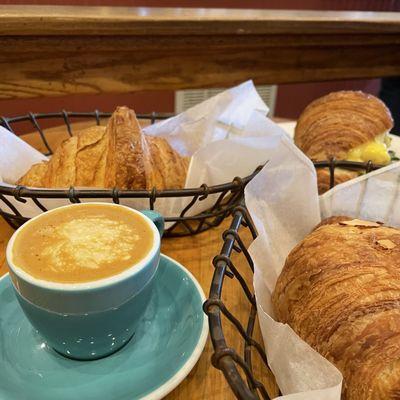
(195, 253)
(58, 50)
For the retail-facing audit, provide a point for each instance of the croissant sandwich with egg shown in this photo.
(118, 155)
(345, 125)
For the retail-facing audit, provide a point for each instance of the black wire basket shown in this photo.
(235, 262)
(225, 196)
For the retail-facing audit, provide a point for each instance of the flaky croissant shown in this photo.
(340, 292)
(341, 175)
(118, 155)
(338, 123)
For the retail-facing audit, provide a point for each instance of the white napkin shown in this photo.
(16, 156)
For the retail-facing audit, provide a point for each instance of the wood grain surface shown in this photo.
(196, 254)
(53, 51)
(105, 21)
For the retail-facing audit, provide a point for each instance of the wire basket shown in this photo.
(227, 195)
(234, 261)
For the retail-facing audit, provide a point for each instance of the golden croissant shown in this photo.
(118, 155)
(340, 292)
(346, 125)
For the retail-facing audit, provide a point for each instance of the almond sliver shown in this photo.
(360, 222)
(386, 244)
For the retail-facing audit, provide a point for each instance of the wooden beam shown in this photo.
(74, 20)
(50, 51)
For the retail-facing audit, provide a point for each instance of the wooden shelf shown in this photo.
(53, 51)
(127, 21)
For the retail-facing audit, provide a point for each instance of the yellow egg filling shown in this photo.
(376, 151)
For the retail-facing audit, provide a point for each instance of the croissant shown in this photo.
(118, 155)
(341, 175)
(340, 292)
(346, 125)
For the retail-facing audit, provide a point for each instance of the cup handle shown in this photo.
(157, 219)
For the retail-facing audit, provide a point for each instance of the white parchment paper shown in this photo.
(16, 156)
(226, 137)
(283, 201)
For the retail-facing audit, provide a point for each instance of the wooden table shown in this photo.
(196, 253)
(58, 50)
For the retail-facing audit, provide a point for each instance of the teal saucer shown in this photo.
(165, 348)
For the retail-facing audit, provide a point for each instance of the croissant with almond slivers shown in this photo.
(340, 292)
(345, 125)
(118, 155)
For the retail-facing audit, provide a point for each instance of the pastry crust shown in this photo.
(35, 176)
(334, 124)
(118, 155)
(340, 292)
(341, 175)
(340, 121)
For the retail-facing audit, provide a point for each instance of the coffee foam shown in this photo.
(87, 243)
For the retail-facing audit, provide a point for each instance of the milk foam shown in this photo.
(87, 243)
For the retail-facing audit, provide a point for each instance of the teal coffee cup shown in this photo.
(89, 320)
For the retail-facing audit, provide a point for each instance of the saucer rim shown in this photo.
(174, 381)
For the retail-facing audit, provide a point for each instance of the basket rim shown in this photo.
(202, 190)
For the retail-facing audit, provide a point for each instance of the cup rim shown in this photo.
(96, 284)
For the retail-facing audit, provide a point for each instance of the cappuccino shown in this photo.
(82, 243)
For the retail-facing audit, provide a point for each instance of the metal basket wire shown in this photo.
(227, 195)
(237, 369)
